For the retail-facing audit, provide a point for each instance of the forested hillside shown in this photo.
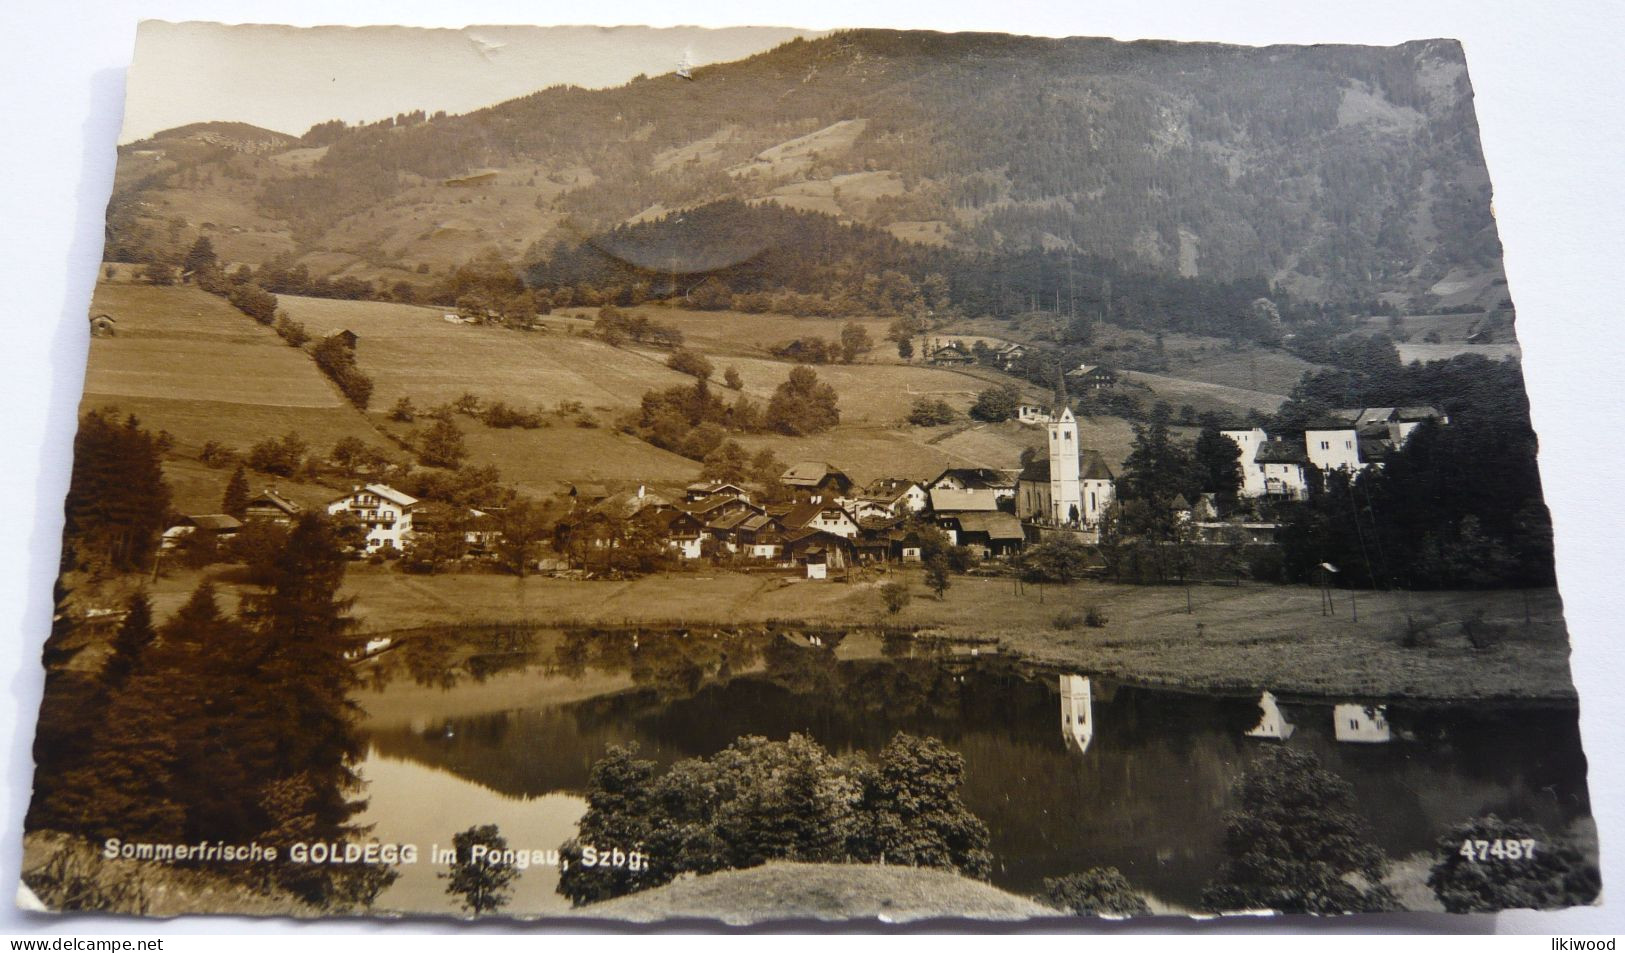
(1340, 173)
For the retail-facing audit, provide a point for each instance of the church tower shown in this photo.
(1066, 499)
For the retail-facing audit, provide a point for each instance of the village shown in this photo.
(817, 521)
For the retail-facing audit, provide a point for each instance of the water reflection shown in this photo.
(1146, 793)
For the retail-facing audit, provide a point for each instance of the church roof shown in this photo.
(1091, 466)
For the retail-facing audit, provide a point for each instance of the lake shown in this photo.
(502, 726)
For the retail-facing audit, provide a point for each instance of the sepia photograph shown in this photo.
(758, 474)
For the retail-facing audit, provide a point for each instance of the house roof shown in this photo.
(997, 526)
(887, 490)
(215, 522)
(712, 487)
(801, 514)
(1374, 449)
(729, 521)
(1282, 451)
(1085, 370)
(273, 498)
(392, 495)
(810, 473)
(977, 478)
(631, 502)
(1091, 466)
(964, 501)
(1408, 414)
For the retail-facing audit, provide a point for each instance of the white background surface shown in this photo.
(1550, 97)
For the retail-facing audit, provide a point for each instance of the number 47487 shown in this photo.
(1498, 849)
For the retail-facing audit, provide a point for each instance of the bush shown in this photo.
(1558, 875)
(1098, 891)
(931, 413)
(692, 363)
(282, 457)
(1093, 617)
(1066, 620)
(895, 595)
(499, 415)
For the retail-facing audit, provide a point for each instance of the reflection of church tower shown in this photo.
(1077, 712)
(1066, 499)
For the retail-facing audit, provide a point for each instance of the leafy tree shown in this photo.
(281, 456)
(731, 378)
(524, 525)
(996, 403)
(1098, 891)
(1156, 471)
(905, 348)
(1060, 560)
(911, 812)
(157, 273)
(442, 445)
(855, 342)
(1558, 874)
(235, 500)
(928, 412)
(692, 363)
(803, 405)
(728, 463)
(403, 411)
(1294, 844)
(936, 574)
(484, 885)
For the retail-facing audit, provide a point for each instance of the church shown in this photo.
(1071, 487)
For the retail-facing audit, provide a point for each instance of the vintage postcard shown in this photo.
(758, 474)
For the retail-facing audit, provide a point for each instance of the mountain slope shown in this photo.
(1341, 172)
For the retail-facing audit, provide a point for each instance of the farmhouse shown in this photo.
(1033, 414)
(995, 533)
(1006, 355)
(344, 336)
(384, 512)
(890, 497)
(216, 525)
(271, 506)
(951, 355)
(1001, 482)
(1092, 377)
(824, 517)
(817, 482)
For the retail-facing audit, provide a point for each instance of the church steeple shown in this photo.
(1060, 400)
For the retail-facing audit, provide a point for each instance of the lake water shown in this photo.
(502, 726)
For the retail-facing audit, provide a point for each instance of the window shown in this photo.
(1325, 445)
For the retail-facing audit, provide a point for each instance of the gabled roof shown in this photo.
(630, 503)
(730, 521)
(1091, 466)
(887, 490)
(977, 478)
(997, 526)
(1375, 450)
(392, 495)
(215, 522)
(713, 503)
(1409, 414)
(712, 487)
(964, 501)
(810, 473)
(275, 499)
(801, 514)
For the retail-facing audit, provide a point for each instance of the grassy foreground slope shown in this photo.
(788, 891)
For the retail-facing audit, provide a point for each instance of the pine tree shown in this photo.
(130, 645)
(235, 501)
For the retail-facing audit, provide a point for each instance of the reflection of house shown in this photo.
(1077, 712)
(1073, 487)
(271, 506)
(817, 481)
(383, 511)
(1271, 724)
(1364, 724)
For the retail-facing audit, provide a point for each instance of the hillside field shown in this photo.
(187, 362)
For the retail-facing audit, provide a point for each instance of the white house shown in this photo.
(1033, 414)
(385, 513)
(1334, 449)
